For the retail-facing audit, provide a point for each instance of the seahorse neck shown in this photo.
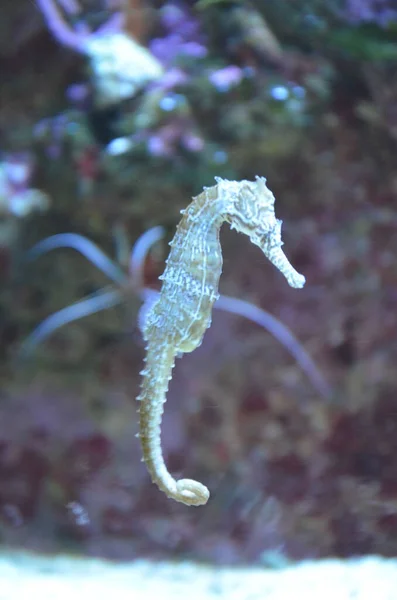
(210, 203)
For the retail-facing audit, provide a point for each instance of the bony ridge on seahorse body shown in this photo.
(177, 321)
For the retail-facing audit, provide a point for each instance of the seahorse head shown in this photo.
(249, 208)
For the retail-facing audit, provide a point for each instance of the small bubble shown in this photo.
(170, 102)
(79, 513)
(279, 92)
(220, 157)
(299, 91)
(118, 146)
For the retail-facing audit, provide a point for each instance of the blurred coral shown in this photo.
(17, 198)
(382, 12)
(302, 91)
(119, 65)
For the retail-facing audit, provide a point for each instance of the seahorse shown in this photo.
(178, 319)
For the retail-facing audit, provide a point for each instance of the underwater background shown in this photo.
(113, 114)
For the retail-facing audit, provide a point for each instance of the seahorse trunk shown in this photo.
(160, 360)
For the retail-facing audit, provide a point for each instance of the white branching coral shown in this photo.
(17, 198)
(118, 65)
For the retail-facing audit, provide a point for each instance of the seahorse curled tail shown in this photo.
(160, 360)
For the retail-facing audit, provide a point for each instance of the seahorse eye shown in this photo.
(241, 221)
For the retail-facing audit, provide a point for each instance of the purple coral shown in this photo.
(378, 11)
(183, 36)
(119, 65)
(65, 34)
(17, 197)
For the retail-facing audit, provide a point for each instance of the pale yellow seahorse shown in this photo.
(177, 321)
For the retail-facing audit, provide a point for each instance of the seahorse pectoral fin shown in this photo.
(149, 298)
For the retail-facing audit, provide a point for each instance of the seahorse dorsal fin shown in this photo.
(149, 300)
